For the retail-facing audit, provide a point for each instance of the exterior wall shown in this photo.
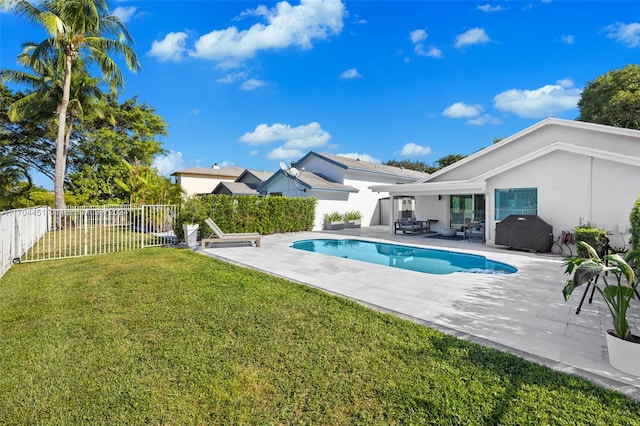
(429, 207)
(251, 181)
(199, 185)
(573, 189)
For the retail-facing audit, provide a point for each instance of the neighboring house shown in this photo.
(201, 180)
(245, 184)
(566, 172)
(339, 184)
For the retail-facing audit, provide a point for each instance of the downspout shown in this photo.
(590, 216)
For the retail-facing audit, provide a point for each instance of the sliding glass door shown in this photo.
(464, 209)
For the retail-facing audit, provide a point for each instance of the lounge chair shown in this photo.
(220, 237)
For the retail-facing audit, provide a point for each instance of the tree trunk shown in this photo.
(61, 148)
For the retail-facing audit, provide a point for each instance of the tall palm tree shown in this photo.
(78, 29)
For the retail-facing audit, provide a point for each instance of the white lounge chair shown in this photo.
(220, 237)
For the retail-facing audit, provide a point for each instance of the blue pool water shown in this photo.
(430, 261)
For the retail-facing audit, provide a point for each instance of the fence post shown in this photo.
(142, 222)
(86, 231)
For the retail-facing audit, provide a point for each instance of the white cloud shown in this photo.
(252, 84)
(462, 110)
(171, 48)
(350, 73)
(233, 77)
(568, 39)
(489, 9)
(169, 163)
(124, 13)
(295, 140)
(539, 103)
(473, 36)
(361, 157)
(285, 25)
(254, 152)
(483, 120)
(417, 36)
(195, 111)
(411, 150)
(628, 34)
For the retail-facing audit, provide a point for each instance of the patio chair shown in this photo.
(217, 236)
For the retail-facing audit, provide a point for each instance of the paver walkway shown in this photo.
(523, 313)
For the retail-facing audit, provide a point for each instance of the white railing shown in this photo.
(44, 233)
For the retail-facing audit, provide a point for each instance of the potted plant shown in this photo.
(615, 280)
(352, 219)
(333, 221)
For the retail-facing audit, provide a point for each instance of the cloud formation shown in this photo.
(171, 48)
(296, 141)
(490, 9)
(252, 84)
(539, 103)
(418, 37)
(628, 34)
(411, 150)
(473, 36)
(285, 25)
(350, 74)
(462, 110)
(124, 13)
(171, 162)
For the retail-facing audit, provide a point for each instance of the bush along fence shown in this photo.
(43, 233)
(247, 213)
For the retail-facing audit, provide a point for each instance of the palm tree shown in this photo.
(79, 33)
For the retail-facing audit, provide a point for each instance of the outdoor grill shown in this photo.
(526, 232)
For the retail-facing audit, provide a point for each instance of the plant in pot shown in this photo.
(333, 221)
(352, 219)
(615, 280)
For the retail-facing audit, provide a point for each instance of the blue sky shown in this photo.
(253, 83)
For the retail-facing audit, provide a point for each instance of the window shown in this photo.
(516, 201)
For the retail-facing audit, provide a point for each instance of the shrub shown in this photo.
(352, 215)
(634, 219)
(588, 234)
(333, 216)
(247, 213)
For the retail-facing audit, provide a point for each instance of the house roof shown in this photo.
(310, 181)
(261, 175)
(235, 188)
(232, 171)
(364, 166)
(475, 177)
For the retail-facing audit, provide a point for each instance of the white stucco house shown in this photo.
(202, 180)
(339, 184)
(566, 172)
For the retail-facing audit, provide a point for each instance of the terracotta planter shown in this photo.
(624, 355)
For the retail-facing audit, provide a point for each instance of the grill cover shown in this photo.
(528, 232)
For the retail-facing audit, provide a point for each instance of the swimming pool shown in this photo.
(430, 261)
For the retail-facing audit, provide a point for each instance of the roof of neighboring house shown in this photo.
(258, 174)
(235, 188)
(365, 166)
(475, 177)
(311, 181)
(232, 172)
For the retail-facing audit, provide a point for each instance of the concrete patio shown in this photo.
(522, 313)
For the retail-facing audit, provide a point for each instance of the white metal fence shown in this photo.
(43, 233)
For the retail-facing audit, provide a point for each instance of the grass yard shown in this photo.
(168, 336)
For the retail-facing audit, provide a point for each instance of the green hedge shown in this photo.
(634, 219)
(247, 213)
(589, 235)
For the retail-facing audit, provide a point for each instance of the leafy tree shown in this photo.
(128, 132)
(15, 182)
(423, 167)
(78, 29)
(613, 99)
(145, 185)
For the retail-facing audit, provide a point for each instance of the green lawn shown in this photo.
(167, 336)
